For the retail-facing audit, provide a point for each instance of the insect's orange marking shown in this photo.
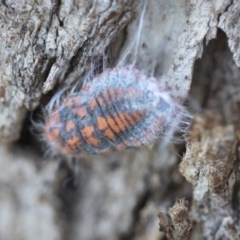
(93, 104)
(106, 96)
(77, 101)
(109, 134)
(121, 146)
(122, 116)
(129, 92)
(70, 125)
(87, 131)
(137, 116)
(69, 101)
(138, 143)
(100, 101)
(138, 94)
(55, 117)
(82, 112)
(93, 141)
(101, 123)
(67, 149)
(55, 133)
(160, 122)
(120, 93)
(120, 124)
(104, 152)
(149, 136)
(73, 101)
(130, 119)
(52, 133)
(112, 93)
(74, 142)
(113, 125)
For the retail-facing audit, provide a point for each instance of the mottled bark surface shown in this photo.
(185, 191)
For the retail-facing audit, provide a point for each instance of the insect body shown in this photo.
(120, 108)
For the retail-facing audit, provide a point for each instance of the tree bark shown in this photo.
(186, 191)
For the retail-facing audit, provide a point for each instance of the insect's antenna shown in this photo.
(140, 26)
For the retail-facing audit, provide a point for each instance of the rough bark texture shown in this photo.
(192, 47)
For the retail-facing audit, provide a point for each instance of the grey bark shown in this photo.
(193, 49)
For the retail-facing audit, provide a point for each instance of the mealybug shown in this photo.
(118, 109)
